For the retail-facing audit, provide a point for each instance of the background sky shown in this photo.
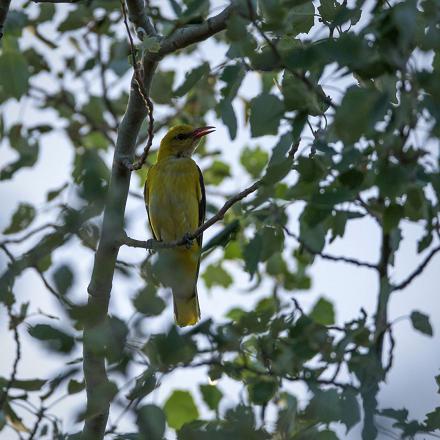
(410, 383)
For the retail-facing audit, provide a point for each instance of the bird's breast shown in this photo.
(173, 198)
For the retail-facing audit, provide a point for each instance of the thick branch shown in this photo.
(191, 34)
(138, 16)
(155, 244)
(4, 8)
(417, 271)
(105, 258)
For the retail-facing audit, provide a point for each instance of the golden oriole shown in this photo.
(175, 199)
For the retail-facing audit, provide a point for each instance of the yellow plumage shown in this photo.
(175, 200)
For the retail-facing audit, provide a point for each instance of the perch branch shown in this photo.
(155, 244)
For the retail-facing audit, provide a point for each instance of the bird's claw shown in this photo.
(187, 240)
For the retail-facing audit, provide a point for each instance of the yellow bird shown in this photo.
(175, 199)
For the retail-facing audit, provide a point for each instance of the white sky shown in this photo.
(410, 383)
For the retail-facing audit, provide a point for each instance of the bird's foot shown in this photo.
(187, 240)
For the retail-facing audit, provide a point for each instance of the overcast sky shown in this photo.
(410, 383)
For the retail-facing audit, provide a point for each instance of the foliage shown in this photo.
(363, 151)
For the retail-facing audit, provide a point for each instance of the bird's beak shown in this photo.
(202, 131)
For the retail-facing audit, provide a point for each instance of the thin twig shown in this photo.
(147, 101)
(278, 56)
(155, 244)
(417, 271)
(13, 326)
(325, 256)
(40, 416)
(4, 9)
(102, 72)
(29, 234)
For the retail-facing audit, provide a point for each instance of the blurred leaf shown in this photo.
(180, 409)
(227, 114)
(266, 112)
(53, 339)
(433, 419)
(74, 386)
(216, 173)
(216, 275)
(26, 385)
(262, 390)
(420, 322)
(252, 254)
(148, 302)
(211, 396)
(323, 312)
(360, 109)
(391, 217)
(254, 160)
(162, 86)
(63, 278)
(151, 422)
(191, 79)
(14, 74)
(21, 219)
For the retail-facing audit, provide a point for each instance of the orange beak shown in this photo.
(202, 131)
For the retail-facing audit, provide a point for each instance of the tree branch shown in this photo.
(191, 34)
(155, 244)
(12, 325)
(99, 289)
(138, 16)
(325, 256)
(145, 98)
(4, 8)
(417, 271)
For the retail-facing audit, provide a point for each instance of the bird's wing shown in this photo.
(146, 198)
(202, 204)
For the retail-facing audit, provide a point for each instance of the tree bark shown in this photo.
(98, 401)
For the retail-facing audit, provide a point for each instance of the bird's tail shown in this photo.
(186, 310)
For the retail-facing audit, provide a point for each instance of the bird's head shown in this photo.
(182, 140)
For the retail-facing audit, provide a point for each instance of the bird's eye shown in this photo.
(180, 137)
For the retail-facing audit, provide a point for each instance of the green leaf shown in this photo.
(63, 279)
(298, 96)
(261, 391)
(180, 409)
(162, 86)
(151, 422)
(21, 219)
(211, 396)
(391, 217)
(227, 114)
(360, 109)
(301, 18)
(215, 275)
(14, 74)
(151, 44)
(323, 312)
(266, 113)
(252, 254)
(53, 339)
(433, 419)
(420, 322)
(279, 164)
(74, 386)
(254, 160)
(191, 79)
(26, 385)
(148, 302)
(236, 28)
(216, 173)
